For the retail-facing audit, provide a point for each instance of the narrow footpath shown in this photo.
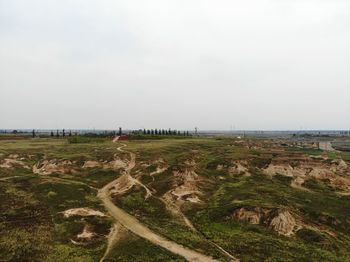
(135, 226)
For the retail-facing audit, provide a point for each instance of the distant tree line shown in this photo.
(62, 133)
(53, 134)
(160, 132)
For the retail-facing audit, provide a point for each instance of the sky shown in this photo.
(215, 65)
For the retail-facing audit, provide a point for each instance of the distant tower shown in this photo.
(196, 131)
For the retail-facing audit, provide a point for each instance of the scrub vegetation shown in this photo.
(228, 199)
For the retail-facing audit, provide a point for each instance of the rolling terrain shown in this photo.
(194, 199)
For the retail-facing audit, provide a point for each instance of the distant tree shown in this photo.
(33, 133)
(187, 133)
(156, 131)
(152, 132)
(52, 134)
(148, 132)
(144, 131)
(57, 133)
(184, 134)
(70, 132)
(120, 131)
(63, 133)
(179, 133)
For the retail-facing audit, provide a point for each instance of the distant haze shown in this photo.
(252, 64)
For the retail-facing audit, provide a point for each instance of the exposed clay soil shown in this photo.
(283, 223)
(47, 167)
(161, 167)
(82, 212)
(186, 186)
(278, 220)
(239, 167)
(116, 164)
(50, 166)
(86, 237)
(122, 185)
(334, 172)
(13, 161)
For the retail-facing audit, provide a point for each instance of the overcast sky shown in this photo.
(250, 64)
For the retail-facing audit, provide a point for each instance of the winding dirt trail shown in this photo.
(132, 224)
(113, 238)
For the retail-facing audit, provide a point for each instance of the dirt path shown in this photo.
(175, 210)
(113, 238)
(132, 224)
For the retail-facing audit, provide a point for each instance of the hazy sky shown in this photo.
(253, 64)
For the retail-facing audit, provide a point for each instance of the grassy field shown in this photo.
(199, 179)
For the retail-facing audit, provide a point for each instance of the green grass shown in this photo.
(32, 227)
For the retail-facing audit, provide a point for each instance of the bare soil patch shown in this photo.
(278, 220)
(82, 212)
(13, 161)
(336, 172)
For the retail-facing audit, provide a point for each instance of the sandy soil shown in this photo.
(47, 167)
(159, 170)
(115, 164)
(82, 212)
(239, 167)
(12, 161)
(303, 168)
(281, 221)
(326, 146)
